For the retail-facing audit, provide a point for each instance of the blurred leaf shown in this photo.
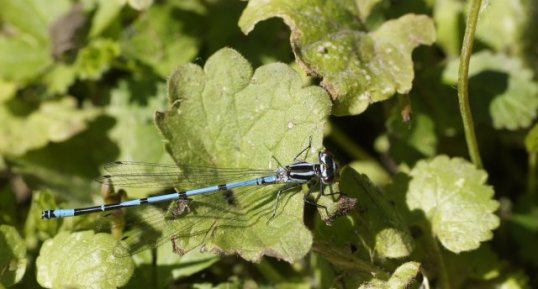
(413, 140)
(139, 4)
(480, 264)
(404, 277)
(70, 166)
(531, 141)
(159, 39)
(449, 22)
(96, 58)
(523, 226)
(453, 197)
(225, 116)
(22, 60)
(8, 204)
(82, 260)
(35, 229)
(107, 11)
(133, 104)
(515, 280)
(357, 67)
(502, 24)
(32, 18)
(512, 99)
(54, 121)
(371, 168)
(13, 260)
(59, 79)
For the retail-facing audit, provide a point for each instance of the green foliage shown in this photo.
(235, 84)
(73, 260)
(329, 39)
(254, 128)
(13, 260)
(453, 197)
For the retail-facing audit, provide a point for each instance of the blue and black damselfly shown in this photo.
(192, 181)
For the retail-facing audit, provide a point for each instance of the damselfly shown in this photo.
(136, 174)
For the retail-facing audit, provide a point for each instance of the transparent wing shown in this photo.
(191, 223)
(150, 175)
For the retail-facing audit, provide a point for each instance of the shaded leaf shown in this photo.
(133, 104)
(82, 260)
(35, 228)
(159, 39)
(379, 223)
(505, 84)
(453, 197)
(226, 116)
(96, 58)
(13, 260)
(531, 141)
(404, 277)
(480, 264)
(357, 67)
(53, 121)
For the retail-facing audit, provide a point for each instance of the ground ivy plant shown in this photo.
(429, 106)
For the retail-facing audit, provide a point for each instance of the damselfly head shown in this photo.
(328, 167)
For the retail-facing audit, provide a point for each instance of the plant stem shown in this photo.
(444, 279)
(533, 176)
(463, 83)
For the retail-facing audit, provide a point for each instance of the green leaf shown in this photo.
(8, 204)
(32, 17)
(225, 116)
(13, 260)
(106, 12)
(453, 197)
(63, 167)
(480, 264)
(503, 24)
(59, 79)
(96, 58)
(55, 121)
(35, 229)
(82, 260)
(22, 60)
(447, 15)
(358, 67)
(140, 4)
(132, 104)
(504, 85)
(170, 267)
(381, 227)
(413, 140)
(161, 40)
(404, 277)
(531, 141)
(514, 280)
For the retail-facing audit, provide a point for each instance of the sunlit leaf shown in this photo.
(357, 67)
(225, 115)
(82, 260)
(453, 196)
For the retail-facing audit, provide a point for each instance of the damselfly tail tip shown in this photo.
(47, 214)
